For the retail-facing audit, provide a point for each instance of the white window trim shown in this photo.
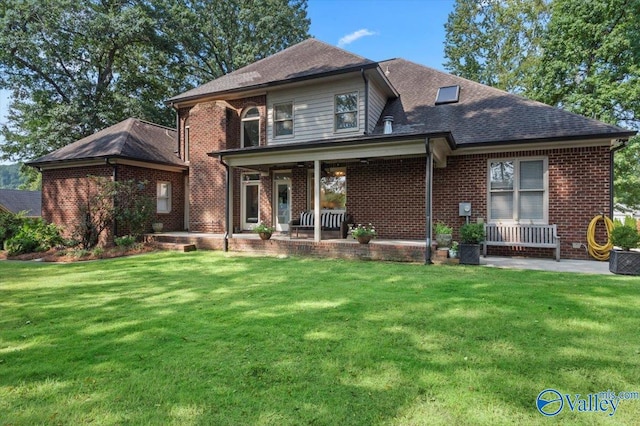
(243, 200)
(310, 193)
(292, 119)
(244, 119)
(357, 111)
(517, 190)
(168, 197)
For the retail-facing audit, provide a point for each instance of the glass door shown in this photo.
(282, 194)
(250, 200)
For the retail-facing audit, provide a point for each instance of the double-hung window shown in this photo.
(346, 111)
(163, 193)
(518, 190)
(283, 119)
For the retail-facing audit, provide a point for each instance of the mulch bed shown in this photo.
(70, 255)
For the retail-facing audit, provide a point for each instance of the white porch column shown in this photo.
(230, 201)
(316, 202)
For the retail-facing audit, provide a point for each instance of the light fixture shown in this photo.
(364, 161)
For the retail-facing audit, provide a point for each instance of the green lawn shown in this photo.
(204, 338)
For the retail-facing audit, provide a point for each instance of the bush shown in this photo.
(125, 241)
(472, 233)
(442, 229)
(624, 236)
(10, 224)
(33, 236)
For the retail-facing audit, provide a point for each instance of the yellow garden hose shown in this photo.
(597, 251)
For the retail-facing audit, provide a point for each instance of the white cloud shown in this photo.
(350, 38)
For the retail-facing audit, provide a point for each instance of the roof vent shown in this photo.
(448, 95)
(388, 124)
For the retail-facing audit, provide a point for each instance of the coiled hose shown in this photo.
(597, 251)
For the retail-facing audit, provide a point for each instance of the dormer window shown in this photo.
(250, 127)
(346, 111)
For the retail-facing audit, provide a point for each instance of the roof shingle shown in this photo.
(17, 201)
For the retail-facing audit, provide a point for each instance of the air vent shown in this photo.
(448, 95)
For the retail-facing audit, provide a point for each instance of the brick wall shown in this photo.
(172, 221)
(578, 190)
(64, 190)
(215, 126)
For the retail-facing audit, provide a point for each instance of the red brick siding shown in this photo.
(64, 190)
(214, 126)
(173, 221)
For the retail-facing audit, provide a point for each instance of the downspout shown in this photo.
(623, 144)
(366, 101)
(227, 225)
(114, 176)
(428, 194)
(179, 132)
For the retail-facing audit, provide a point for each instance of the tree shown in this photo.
(217, 37)
(495, 42)
(579, 55)
(77, 66)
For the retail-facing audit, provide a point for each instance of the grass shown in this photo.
(204, 338)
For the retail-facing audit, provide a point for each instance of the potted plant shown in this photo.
(157, 227)
(444, 234)
(453, 250)
(626, 237)
(471, 235)
(364, 233)
(264, 231)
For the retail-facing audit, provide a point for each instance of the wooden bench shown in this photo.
(543, 236)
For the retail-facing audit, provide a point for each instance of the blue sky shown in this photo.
(375, 29)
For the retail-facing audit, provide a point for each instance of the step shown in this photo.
(175, 246)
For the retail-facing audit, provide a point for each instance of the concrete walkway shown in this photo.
(565, 265)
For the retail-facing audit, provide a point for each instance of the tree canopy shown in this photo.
(77, 66)
(579, 55)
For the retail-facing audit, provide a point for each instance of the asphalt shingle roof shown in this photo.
(306, 59)
(17, 201)
(482, 115)
(132, 139)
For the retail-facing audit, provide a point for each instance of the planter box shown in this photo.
(624, 262)
(469, 254)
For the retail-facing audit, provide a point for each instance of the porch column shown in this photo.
(316, 202)
(230, 223)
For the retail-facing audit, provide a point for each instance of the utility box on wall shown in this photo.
(464, 209)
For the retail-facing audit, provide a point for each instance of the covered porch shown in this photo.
(388, 178)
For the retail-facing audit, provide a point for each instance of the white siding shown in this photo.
(313, 110)
(377, 101)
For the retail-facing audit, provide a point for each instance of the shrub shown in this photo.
(10, 224)
(442, 229)
(472, 233)
(624, 236)
(34, 235)
(125, 241)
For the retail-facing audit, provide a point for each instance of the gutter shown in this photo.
(622, 144)
(428, 195)
(366, 101)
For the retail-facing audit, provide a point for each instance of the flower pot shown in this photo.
(157, 227)
(264, 235)
(364, 239)
(444, 240)
(469, 254)
(624, 262)
(453, 253)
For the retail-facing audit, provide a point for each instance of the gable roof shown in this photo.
(16, 201)
(308, 59)
(483, 114)
(131, 139)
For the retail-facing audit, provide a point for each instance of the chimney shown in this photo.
(388, 124)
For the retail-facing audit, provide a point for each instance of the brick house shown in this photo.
(316, 128)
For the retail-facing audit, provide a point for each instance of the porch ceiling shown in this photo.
(264, 157)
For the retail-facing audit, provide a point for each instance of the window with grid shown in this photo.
(518, 190)
(283, 119)
(346, 111)
(163, 197)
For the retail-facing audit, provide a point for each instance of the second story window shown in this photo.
(187, 130)
(283, 119)
(250, 127)
(346, 111)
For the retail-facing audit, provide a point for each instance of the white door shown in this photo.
(250, 200)
(282, 200)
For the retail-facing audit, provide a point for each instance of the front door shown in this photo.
(282, 201)
(250, 200)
